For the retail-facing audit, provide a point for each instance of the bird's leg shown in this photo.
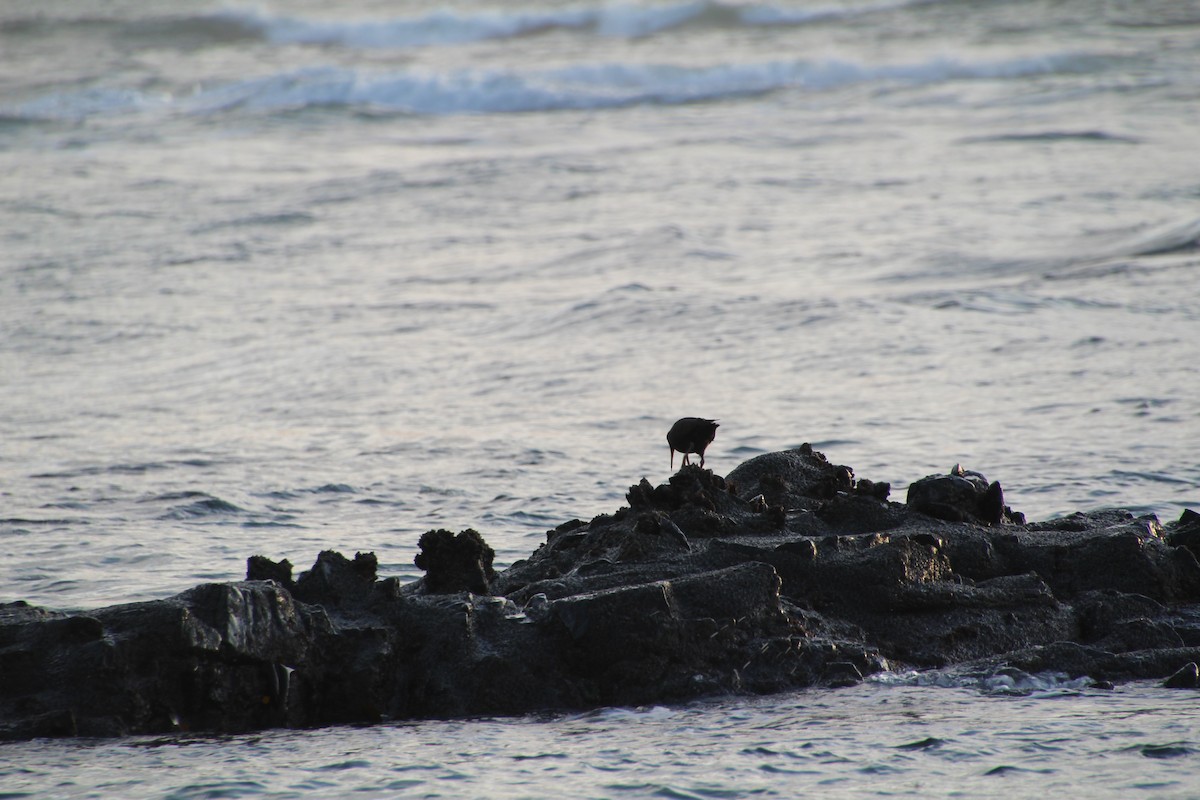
(685, 461)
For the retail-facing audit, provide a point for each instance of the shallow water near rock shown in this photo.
(872, 740)
(280, 278)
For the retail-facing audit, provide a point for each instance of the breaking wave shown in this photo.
(1002, 681)
(453, 27)
(575, 87)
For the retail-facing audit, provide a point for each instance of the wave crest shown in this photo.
(488, 91)
(445, 27)
(588, 86)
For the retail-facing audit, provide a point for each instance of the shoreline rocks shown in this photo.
(787, 573)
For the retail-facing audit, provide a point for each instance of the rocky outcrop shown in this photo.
(789, 572)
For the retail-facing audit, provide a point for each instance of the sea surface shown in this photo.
(279, 277)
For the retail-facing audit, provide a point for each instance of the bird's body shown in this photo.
(691, 435)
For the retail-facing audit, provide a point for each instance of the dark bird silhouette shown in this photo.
(691, 435)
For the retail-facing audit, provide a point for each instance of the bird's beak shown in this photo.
(672, 458)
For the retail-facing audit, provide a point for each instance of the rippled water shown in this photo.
(867, 741)
(283, 277)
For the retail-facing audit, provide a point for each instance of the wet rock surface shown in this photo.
(789, 572)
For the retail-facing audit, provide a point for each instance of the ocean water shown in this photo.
(281, 277)
(867, 741)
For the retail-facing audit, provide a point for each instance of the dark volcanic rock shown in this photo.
(961, 496)
(261, 568)
(211, 658)
(335, 581)
(1187, 532)
(790, 572)
(1187, 677)
(461, 563)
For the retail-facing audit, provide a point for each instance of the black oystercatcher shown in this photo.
(691, 435)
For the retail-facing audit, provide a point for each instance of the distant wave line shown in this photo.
(449, 27)
(582, 86)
